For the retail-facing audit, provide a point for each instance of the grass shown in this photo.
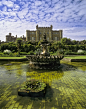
(76, 57)
(12, 57)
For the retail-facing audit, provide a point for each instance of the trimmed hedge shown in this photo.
(74, 53)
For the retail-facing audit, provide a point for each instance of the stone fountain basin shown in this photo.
(35, 91)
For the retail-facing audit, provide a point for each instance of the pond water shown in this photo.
(67, 86)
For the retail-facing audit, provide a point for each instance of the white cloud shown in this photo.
(71, 17)
(16, 7)
(7, 3)
(38, 3)
(4, 8)
(0, 3)
(21, 14)
(76, 33)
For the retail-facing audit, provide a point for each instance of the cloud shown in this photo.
(19, 15)
(16, 7)
(38, 3)
(76, 33)
(5, 8)
(7, 3)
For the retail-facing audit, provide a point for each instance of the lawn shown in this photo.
(76, 57)
(12, 57)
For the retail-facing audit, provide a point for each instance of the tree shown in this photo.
(19, 43)
(66, 41)
(83, 42)
(74, 42)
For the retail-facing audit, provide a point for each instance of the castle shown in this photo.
(10, 38)
(38, 34)
(51, 35)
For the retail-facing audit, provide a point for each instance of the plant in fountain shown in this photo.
(32, 88)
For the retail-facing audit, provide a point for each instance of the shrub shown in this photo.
(7, 51)
(51, 52)
(1, 54)
(70, 53)
(11, 54)
(81, 53)
(13, 51)
(30, 53)
(23, 53)
(16, 54)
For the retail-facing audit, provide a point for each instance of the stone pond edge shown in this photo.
(64, 59)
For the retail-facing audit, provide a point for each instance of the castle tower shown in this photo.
(60, 32)
(27, 35)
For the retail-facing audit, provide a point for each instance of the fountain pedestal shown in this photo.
(44, 60)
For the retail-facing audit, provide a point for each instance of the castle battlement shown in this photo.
(10, 38)
(50, 34)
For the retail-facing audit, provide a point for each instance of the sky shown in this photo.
(17, 16)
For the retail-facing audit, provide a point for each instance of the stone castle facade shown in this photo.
(51, 35)
(10, 38)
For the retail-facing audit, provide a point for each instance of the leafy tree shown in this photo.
(4, 46)
(74, 42)
(19, 44)
(28, 47)
(83, 42)
(66, 41)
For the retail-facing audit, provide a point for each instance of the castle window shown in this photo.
(40, 38)
(30, 37)
(55, 38)
(48, 38)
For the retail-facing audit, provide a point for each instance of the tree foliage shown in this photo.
(66, 41)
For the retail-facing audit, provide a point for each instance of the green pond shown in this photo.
(67, 86)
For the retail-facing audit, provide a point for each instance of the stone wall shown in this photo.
(38, 34)
(10, 38)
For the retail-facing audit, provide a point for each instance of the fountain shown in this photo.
(44, 60)
(37, 88)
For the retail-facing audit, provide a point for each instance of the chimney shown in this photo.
(9, 34)
(51, 27)
(36, 26)
(16, 36)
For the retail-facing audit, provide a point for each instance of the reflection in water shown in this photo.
(67, 86)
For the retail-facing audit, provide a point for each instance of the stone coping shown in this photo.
(74, 60)
(23, 59)
(64, 59)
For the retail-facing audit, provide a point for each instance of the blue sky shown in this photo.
(17, 16)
